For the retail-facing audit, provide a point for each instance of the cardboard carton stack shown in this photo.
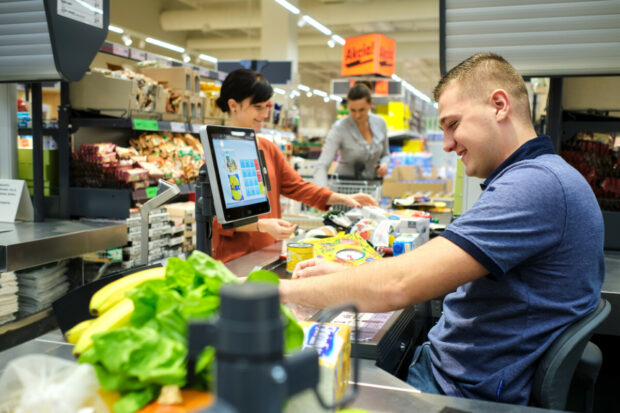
(8, 297)
(409, 179)
(183, 84)
(182, 215)
(39, 287)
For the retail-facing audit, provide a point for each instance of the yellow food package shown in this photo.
(333, 343)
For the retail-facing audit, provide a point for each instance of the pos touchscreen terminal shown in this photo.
(235, 173)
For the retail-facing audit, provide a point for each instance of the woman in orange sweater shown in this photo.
(245, 95)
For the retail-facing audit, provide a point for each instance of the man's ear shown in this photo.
(501, 104)
(233, 105)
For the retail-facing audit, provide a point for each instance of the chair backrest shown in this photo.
(556, 367)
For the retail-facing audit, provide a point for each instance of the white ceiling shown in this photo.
(231, 30)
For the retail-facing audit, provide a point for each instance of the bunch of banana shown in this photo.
(116, 317)
(108, 296)
(111, 306)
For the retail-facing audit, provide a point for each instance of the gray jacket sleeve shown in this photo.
(331, 146)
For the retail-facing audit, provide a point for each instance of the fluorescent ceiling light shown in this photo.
(331, 43)
(207, 58)
(165, 45)
(279, 91)
(115, 29)
(295, 93)
(417, 92)
(396, 77)
(127, 40)
(325, 99)
(186, 58)
(303, 87)
(309, 94)
(288, 6)
(338, 39)
(320, 93)
(316, 25)
(335, 98)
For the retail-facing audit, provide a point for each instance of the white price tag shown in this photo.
(178, 127)
(15, 201)
(196, 127)
(205, 72)
(138, 54)
(120, 50)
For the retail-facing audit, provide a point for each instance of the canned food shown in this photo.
(297, 252)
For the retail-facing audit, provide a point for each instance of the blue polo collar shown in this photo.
(531, 149)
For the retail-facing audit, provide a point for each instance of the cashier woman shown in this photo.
(360, 138)
(245, 96)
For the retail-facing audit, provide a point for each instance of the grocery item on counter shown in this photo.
(139, 344)
(296, 253)
(347, 249)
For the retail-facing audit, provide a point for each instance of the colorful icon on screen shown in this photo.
(235, 187)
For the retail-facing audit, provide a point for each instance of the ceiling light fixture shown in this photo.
(331, 43)
(279, 91)
(288, 6)
(303, 87)
(338, 39)
(165, 45)
(320, 93)
(309, 94)
(325, 99)
(115, 29)
(127, 40)
(396, 77)
(316, 25)
(186, 58)
(207, 58)
(335, 98)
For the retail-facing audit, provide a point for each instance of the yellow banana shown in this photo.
(118, 316)
(112, 293)
(73, 334)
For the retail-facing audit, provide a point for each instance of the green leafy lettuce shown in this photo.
(137, 360)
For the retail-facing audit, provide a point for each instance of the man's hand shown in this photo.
(315, 266)
(277, 228)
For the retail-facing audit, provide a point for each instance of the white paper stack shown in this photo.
(8, 297)
(39, 287)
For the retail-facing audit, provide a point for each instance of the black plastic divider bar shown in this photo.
(63, 140)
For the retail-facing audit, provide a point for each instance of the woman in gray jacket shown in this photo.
(361, 138)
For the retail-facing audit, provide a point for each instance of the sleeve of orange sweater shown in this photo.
(293, 186)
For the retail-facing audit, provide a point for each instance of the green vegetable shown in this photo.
(137, 360)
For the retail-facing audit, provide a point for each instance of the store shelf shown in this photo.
(44, 132)
(28, 244)
(27, 328)
(141, 55)
(574, 122)
(141, 124)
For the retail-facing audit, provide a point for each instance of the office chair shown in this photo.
(572, 362)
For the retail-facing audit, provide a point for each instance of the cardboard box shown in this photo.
(174, 77)
(409, 179)
(109, 96)
(182, 110)
(196, 109)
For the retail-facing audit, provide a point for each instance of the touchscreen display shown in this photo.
(238, 168)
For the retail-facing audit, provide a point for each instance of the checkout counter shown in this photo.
(379, 391)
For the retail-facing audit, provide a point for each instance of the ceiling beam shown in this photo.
(252, 42)
(237, 17)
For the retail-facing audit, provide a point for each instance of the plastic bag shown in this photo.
(40, 383)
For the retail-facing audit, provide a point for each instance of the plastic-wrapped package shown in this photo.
(40, 383)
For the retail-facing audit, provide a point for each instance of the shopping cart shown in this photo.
(351, 185)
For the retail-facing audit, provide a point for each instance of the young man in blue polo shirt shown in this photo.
(520, 266)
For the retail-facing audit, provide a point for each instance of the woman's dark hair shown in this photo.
(360, 90)
(241, 84)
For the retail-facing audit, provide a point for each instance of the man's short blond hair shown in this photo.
(482, 73)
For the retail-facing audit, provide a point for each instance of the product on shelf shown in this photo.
(8, 297)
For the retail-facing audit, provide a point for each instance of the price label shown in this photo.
(145, 124)
(196, 127)
(205, 73)
(178, 127)
(222, 76)
(151, 191)
(120, 50)
(137, 54)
